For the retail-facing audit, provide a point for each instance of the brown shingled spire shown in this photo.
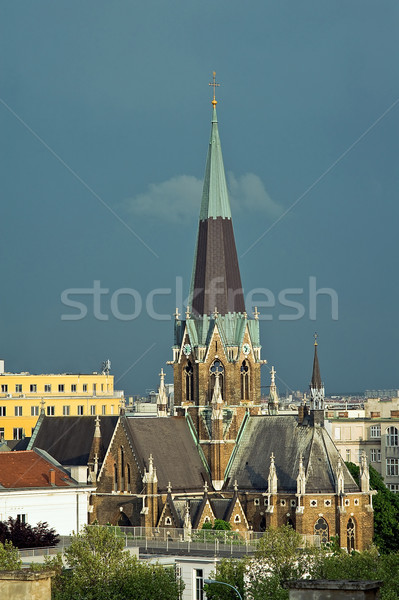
(316, 379)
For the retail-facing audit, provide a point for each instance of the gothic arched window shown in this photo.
(122, 463)
(216, 369)
(350, 535)
(189, 382)
(115, 478)
(321, 529)
(392, 436)
(244, 380)
(128, 478)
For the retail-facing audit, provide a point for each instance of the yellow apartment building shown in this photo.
(23, 396)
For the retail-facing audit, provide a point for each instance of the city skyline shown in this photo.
(106, 117)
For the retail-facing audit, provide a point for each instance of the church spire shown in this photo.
(216, 279)
(316, 379)
(316, 391)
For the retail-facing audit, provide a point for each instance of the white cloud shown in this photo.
(248, 193)
(178, 199)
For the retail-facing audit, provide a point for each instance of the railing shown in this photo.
(164, 540)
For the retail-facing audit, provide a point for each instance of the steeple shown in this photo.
(316, 391)
(216, 280)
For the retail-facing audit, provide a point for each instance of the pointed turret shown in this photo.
(216, 280)
(316, 391)
(162, 398)
(273, 397)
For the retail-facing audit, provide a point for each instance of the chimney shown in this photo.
(52, 477)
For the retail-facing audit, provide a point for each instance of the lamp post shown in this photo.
(210, 581)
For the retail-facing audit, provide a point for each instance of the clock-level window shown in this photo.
(245, 380)
(216, 370)
(189, 381)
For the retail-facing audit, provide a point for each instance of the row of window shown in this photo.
(48, 388)
(50, 410)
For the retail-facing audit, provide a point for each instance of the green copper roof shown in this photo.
(215, 198)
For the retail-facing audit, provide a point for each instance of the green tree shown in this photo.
(228, 570)
(386, 511)
(100, 569)
(9, 557)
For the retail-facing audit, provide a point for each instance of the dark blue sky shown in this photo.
(105, 118)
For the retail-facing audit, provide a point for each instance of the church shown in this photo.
(217, 456)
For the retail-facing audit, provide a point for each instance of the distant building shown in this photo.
(24, 396)
(375, 431)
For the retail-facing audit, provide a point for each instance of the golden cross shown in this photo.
(214, 85)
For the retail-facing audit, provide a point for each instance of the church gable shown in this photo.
(169, 516)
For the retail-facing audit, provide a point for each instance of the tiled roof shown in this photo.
(28, 469)
(69, 439)
(282, 436)
(171, 444)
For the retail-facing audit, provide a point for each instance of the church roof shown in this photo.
(282, 436)
(69, 439)
(216, 280)
(174, 452)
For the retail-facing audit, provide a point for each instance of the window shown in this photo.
(3, 411)
(33, 387)
(4, 387)
(34, 411)
(321, 529)
(392, 436)
(199, 584)
(392, 466)
(66, 411)
(244, 380)
(103, 409)
(85, 387)
(17, 412)
(337, 433)
(188, 370)
(17, 433)
(216, 369)
(283, 502)
(115, 478)
(375, 455)
(112, 409)
(348, 455)
(168, 521)
(237, 519)
(350, 535)
(80, 410)
(102, 387)
(1, 433)
(18, 388)
(94, 389)
(61, 387)
(128, 478)
(256, 501)
(21, 518)
(347, 502)
(47, 387)
(327, 502)
(93, 409)
(394, 487)
(375, 431)
(293, 503)
(50, 411)
(73, 387)
(313, 503)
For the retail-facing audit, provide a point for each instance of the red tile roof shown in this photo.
(27, 469)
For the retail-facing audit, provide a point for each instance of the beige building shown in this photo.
(23, 396)
(374, 430)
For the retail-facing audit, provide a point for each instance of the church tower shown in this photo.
(217, 344)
